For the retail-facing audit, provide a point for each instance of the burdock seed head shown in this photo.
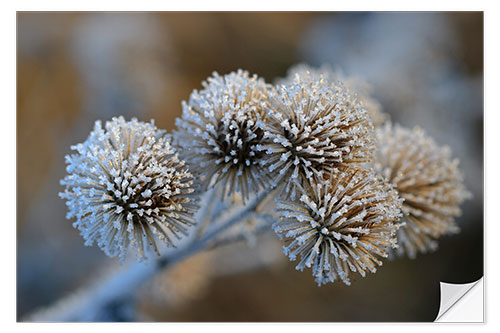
(218, 132)
(429, 181)
(125, 184)
(361, 89)
(340, 225)
(313, 128)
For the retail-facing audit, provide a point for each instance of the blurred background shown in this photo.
(74, 68)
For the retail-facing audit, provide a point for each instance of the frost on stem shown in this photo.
(313, 128)
(218, 132)
(428, 180)
(360, 87)
(342, 224)
(125, 184)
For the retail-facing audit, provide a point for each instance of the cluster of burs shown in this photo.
(348, 188)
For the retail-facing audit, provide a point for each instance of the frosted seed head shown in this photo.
(428, 180)
(361, 90)
(326, 226)
(108, 188)
(315, 128)
(229, 111)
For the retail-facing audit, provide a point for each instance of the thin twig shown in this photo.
(206, 211)
(239, 237)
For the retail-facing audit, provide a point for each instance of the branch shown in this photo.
(90, 303)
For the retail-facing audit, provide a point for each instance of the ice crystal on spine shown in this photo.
(218, 132)
(341, 225)
(428, 180)
(360, 87)
(313, 128)
(126, 185)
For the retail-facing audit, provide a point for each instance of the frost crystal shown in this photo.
(218, 133)
(313, 128)
(427, 179)
(362, 89)
(340, 225)
(126, 185)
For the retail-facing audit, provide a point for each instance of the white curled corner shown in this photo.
(461, 303)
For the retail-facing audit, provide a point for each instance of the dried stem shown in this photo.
(91, 303)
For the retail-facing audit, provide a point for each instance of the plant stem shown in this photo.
(90, 303)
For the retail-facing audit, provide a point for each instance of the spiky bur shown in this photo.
(361, 88)
(125, 184)
(341, 225)
(218, 133)
(429, 181)
(313, 128)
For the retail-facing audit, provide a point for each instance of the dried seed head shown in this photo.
(313, 128)
(362, 89)
(218, 132)
(428, 180)
(126, 184)
(340, 225)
